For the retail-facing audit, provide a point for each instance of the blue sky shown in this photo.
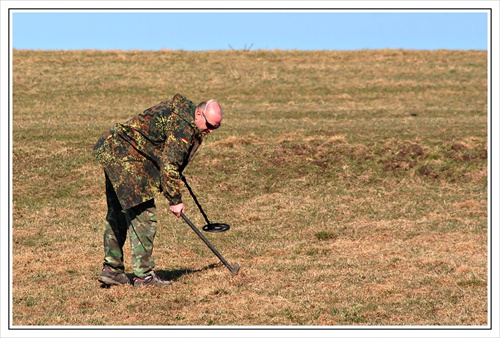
(256, 29)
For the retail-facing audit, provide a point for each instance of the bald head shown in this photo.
(208, 116)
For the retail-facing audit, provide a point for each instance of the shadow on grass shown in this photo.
(171, 275)
(176, 274)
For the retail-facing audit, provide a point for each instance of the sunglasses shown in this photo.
(209, 125)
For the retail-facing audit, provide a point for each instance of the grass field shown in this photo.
(355, 183)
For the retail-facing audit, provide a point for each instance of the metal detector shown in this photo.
(209, 227)
(234, 269)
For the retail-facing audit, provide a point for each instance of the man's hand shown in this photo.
(177, 209)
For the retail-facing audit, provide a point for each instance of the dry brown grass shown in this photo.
(355, 184)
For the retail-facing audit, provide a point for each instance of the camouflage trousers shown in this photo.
(139, 223)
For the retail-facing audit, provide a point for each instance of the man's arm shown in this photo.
(175, 153)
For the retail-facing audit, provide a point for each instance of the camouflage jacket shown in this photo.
(147, 154)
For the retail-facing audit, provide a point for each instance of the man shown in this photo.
(141, 158)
